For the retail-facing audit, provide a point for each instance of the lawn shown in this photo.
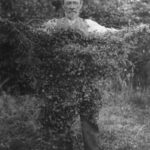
(123, 120)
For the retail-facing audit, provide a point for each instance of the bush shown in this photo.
(139, 43)
(53, 59)
(26, 10)
(66, 67)
(107, 15)
(19, 127)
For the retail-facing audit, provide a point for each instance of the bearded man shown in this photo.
(72, 20)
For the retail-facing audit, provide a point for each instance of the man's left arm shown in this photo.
(97, 29)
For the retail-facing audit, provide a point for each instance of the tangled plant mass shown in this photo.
(63, 65)
(64, 56)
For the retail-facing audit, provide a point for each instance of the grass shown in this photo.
(124, 121)
(125, 117)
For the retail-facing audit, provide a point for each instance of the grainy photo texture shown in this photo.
(74, 75)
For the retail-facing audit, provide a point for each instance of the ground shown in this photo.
(125, 124)
(123, 120)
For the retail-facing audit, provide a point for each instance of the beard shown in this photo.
(72, 14)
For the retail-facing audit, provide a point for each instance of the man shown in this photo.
(72, 20)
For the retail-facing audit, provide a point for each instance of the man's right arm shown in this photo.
(48, 27)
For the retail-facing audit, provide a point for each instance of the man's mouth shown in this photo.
(72, 11)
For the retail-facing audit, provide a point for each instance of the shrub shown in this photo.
(66, 67)
(66, 54)
(19, 127)
(107, 15)
(139, 43)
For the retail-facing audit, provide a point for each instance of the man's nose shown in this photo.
(72, 6)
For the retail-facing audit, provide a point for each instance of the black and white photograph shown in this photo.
(74, 74)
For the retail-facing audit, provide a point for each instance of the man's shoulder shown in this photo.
(52, 24)
(54, 21)
(94, 27)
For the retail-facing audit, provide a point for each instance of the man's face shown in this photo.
(72, 8)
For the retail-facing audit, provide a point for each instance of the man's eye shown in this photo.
(68, 3)
(75, 3)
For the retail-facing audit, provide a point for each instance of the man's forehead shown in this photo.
(72, 1)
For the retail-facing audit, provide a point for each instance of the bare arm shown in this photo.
(95, 28)
(100, 31)
(49, 26)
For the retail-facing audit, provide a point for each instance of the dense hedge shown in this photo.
(107, 15)
(139, 45)
(63, 67)
(66, 56)
(24, 50)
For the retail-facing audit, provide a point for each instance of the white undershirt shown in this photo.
(71, 22)
(93, 27)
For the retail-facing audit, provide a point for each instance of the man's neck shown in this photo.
(71, 21)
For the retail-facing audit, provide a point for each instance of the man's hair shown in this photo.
(64, 1)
